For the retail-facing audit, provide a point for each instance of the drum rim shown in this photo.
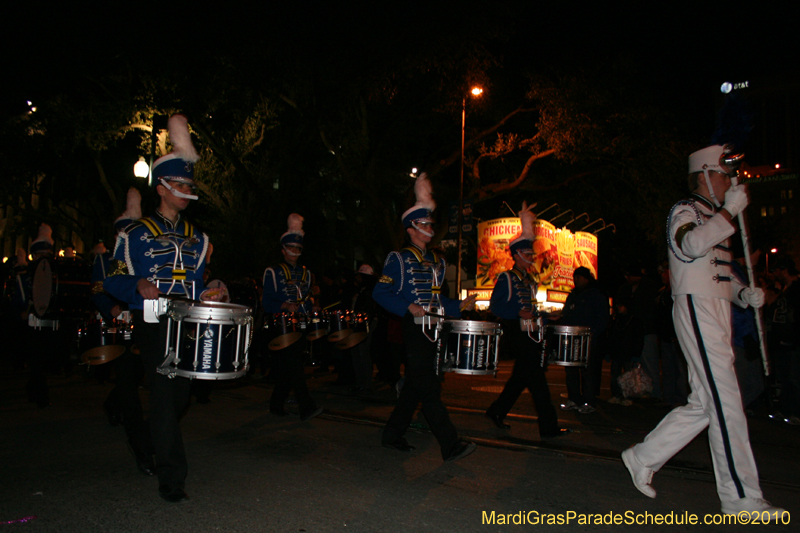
(568, 330)
(473, 327)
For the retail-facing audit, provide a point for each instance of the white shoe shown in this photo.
(641, 475)
(759, 505)
(569, 405)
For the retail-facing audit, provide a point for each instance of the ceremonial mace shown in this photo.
(732, 161)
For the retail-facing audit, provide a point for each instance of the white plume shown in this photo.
(133, 209)
(181, 139)
(423, 190)
(527, 216)
(295, 223)
(45, 234)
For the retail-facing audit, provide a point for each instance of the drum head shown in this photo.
(102, 354)
(42, 288)
(352, 340)
(342, 334)
(317, 334)
(282, 341)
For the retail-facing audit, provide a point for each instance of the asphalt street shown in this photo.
(65, 469)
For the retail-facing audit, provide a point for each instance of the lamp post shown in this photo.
(476, 91)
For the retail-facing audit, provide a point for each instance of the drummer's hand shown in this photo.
(147, 289)
(525, 314)
(116, 311)
(468, 303)
(291, 307)
(416, 310)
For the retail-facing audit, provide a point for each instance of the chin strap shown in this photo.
(522, 258)
(179, 194)
(426, 233)
(291, 252)
(711, 189)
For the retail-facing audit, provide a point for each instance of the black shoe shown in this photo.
(498, 420)
(460, 450)
(308, 416)
(172, 495)
(401, 445)
(558, 433)
(143, 460)
(279, 412)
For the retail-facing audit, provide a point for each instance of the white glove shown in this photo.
(736, 200)
(753, 297)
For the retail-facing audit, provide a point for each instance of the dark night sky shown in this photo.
(680, 57)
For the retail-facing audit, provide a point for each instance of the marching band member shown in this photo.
(411, 287)
(287, 288)
(703, 285)
(513, 298)
(157, 255)
(42, 333)
(123, 404)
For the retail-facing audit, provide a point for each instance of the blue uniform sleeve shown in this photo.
(272, 299)
(501, 304)
(387, 291)
(120, 281)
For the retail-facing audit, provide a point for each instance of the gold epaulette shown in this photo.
(386, 279)
(97, 287)
(118, 268)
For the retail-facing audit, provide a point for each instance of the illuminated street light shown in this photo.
(771, 251)
(141, 169)
(476, 92)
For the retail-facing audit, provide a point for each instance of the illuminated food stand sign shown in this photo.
(557, 252)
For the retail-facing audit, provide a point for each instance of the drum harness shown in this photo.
(431, 320)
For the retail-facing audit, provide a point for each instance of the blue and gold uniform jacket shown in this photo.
(286, 283)
(413, 276)
(147, 249)
(100, 298)
(514, 291)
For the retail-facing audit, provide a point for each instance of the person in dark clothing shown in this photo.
(626, 343)
(586, 305)
(513, 298)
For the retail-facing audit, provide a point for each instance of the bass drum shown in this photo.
(61, 288)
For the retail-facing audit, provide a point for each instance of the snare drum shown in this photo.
(102, 342)
(468, 347)
(567, 345)
(339, 325)
(317, 326)
(286, 328)
(207, 340)
(360, 328)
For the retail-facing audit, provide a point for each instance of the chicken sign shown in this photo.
(557, 252)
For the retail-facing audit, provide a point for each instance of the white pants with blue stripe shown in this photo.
(703, 326)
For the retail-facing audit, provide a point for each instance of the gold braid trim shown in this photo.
(118, 268)
(682, 231)
(97, 287)
(386, 279)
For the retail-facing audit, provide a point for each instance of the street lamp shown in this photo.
(141, 169)
(476, 92)
(770, 251)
